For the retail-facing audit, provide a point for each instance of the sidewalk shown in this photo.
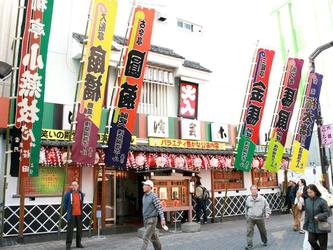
(228, 235)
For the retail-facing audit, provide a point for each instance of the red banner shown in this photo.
(130, 85)
(258, 93)
(29, 81)
(188, 100)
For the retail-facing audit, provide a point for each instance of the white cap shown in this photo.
(148, 183)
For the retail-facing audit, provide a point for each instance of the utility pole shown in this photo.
(322, 152)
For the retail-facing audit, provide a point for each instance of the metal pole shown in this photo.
(7, 148)
(329, 152)
(73, 118)
(322, 151)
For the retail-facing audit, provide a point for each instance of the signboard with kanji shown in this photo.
(158, 126)
(220, 132)
(130, 85)
(188, 100)
(178, 143)
(287, 100)
(306, 123)
(254, 109)
(190, 129)
(326, 132)
(94, 77)
(31, 82)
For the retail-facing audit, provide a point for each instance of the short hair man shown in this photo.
(151, 210)
(256, 210)
(73, 201)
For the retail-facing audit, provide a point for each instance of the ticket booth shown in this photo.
(173, 187)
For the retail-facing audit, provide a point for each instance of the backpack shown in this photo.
(206, 194)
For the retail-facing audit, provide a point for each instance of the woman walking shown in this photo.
(316, 210)
(301, 202)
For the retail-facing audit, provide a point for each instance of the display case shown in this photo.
(263, 178)
(227, 179)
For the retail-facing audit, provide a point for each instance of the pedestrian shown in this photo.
(73, 201)
(299, 204)
(316, 211)
(294, 209)
(201, 197)
(302, 190)
(256, 210)
(151, 210)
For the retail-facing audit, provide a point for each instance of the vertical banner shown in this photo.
(130, 85)
(94, 77)
(287, 100)
(306, 123)
(254, 109)
(326, 132)
(31, 82)
(188, 100)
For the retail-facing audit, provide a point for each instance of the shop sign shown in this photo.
(255, 105)
(220, 132)
(94, 76)
(158, 126)
(326, 132)
(286, 100)
(190, 129)
(31, 82)
(188, 100)
(178, 143)
(63, 135)
(306, 122)
(129, 88)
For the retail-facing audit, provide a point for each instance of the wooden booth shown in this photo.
(174, 187)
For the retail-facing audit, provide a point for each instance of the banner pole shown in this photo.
(241, 120)
(284, 71)
(7, 148)
(118, 71)
(78, 84)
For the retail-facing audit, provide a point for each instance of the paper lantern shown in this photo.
(42, 156)
(255, 163)
(179, 162)
(161, 162)
(171, 160)
(189, 161)
(197, 162)
(140, 160)
(151, 160)
(214, 162)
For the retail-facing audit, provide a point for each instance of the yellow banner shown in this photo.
(96, 59)
(178, 143)
(299, 158)
(63, 135)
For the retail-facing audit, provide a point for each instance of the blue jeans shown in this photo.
(201, 207)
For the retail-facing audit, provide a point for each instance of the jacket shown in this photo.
(315, 207)
(68, 198)
(256, 208)
(151, 206)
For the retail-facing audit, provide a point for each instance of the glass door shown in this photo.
(110, 199)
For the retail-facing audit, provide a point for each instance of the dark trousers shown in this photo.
(201, 206)
(314, 238)
(250, 229)
(76, 221)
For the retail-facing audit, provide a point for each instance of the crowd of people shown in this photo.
(310, 213)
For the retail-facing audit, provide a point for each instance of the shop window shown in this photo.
(49, 182)
(264, 178)
(228, 178)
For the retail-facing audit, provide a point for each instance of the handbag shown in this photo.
(324, 226)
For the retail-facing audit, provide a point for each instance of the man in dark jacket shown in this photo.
(73, 201)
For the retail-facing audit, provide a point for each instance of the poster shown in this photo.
(287, 100)
(188, 100)
(254, 109)
(130, 85)
(31, 82)
(94, 77)
(326, 132)
(305, 124)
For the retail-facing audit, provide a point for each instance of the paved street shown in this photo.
(228, 235)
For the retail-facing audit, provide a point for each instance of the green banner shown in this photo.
(245, 153)
(274, 156)
(37, 125)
